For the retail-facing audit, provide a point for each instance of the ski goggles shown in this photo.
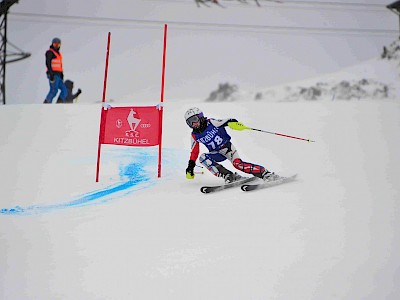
(193, 119)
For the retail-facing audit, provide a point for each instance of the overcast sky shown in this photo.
(261, 47)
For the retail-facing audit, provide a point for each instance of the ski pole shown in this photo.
(240, 126)
(284, 135)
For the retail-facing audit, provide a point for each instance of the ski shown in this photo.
(267, 184)
(216, 188)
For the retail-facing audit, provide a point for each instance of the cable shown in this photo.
(288, 4)
(183, 25)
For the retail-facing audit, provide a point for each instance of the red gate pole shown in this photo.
(162, 100)
(103, 111)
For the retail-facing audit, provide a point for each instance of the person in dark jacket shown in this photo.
(70, 96)
(55, 71)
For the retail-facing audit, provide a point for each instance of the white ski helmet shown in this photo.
(193, 114)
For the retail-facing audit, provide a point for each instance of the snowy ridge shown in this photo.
(392, 52)
(375, 79)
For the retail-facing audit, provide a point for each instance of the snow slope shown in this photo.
(332, 234)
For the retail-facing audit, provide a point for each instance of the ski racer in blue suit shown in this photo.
(212, 133)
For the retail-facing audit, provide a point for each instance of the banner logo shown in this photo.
(132, 121)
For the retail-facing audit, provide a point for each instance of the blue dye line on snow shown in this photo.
(135, 173)
(96, 197)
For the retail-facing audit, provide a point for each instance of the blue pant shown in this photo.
(58, 84)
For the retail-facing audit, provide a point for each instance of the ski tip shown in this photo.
(203, 189)
(249, 187)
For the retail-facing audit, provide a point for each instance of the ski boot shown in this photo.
(269, 176)
(232, 177)
(227, 175)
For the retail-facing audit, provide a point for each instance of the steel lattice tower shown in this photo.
(395, 7)
(4, 7)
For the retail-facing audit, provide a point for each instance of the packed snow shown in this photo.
(331, 234)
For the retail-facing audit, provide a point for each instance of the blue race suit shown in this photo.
(218, 142)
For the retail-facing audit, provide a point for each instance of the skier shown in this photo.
(213, 135)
